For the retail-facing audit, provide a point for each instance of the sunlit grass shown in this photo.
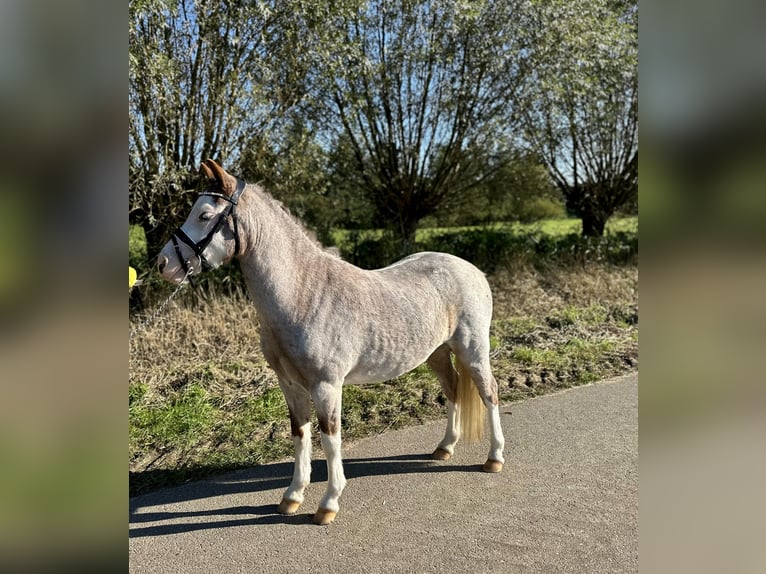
(549, 227)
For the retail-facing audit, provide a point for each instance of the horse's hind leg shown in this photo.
(327, 401)
(440, 362)
(495, 459)
(474, 354)
(299, 404)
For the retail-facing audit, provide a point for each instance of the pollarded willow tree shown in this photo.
(202, 83)
(581, 115)
(422, 91)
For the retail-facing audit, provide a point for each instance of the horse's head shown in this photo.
(209, 236)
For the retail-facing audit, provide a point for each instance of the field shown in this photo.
(202, 399)
(547, 227)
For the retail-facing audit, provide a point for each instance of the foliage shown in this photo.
(540, 208)
(137, 256)
(369, 113)
(581, 115)
(305, 177)
(201, 85)
(420, 92)
(518, 189)
(522, 190)
(495, 246)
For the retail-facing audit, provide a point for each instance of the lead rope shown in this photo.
(143, 325)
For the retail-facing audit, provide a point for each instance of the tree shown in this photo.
(414, 88)
(296, 170)
(518, 188)
(198, 88)
(522, 190)
(581, 114)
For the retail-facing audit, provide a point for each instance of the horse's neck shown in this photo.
(277, 262)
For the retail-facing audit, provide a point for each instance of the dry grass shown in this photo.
(202, 398)
(221, 334)
(529, 292)
(562, 327)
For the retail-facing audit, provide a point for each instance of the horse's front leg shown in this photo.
(327, 401)
(298, 402)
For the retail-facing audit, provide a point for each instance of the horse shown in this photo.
(325, 322)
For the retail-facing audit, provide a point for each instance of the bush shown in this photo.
(491, 247)
(541, 208)
(137, 257)
(369, 252)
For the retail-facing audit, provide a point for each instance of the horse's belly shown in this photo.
(377, 373)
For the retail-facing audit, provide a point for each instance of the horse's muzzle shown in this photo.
(168, 268)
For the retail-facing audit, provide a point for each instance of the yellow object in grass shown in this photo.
(132, 275)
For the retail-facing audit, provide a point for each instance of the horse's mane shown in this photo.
(295, 220)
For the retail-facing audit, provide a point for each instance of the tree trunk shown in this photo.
(593, 223)
(584, 200)
(408, 229)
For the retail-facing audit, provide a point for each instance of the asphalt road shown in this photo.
(566, 501)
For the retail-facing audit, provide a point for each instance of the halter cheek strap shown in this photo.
(198, 247)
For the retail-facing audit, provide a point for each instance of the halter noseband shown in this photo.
(198, 247)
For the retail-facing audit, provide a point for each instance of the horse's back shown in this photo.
(403, 312)
(454, 286)
(454, 278)
(426, 261)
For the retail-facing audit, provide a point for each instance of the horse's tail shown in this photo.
(471, 408)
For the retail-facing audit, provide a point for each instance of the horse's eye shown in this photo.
(207, 216)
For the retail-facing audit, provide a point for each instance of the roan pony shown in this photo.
(325, 322)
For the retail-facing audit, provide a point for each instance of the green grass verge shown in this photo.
(550, 227)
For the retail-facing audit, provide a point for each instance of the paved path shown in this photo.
(566, 501)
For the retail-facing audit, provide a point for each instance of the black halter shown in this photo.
(198, 247)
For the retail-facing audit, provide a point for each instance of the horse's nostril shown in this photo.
(162, 262)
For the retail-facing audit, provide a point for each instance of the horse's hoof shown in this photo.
(288, 506)
(324, 516)
(492, 466)
(440, 454)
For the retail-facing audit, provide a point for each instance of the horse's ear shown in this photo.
(214, 171)
(206, 171)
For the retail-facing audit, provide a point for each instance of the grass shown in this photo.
(547, 227)
(202, 399)
(543, 244)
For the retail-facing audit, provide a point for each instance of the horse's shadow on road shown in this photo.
(259, 479)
